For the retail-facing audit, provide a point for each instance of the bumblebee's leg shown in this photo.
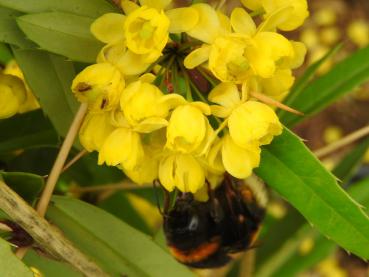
(166, 201)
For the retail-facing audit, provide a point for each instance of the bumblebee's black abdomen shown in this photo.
(206, 234)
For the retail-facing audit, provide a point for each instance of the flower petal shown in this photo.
(150, 125)
(197, 57)
(123, 146)
(252, 4)
(167, 171)
(171, 101)
(253, 122)
(95, 129)
(186, 129)
(157, 4)
(225, 94)
(220, 111)
(9, 104)
(203, 107)
(108, 28)
(182, 19)
(242, 22)
(189, 176)
(207, 28)
(145, 173)
(128, 6)
(239, 161)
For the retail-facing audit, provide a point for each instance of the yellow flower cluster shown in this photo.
(15, 95)
(139, 119)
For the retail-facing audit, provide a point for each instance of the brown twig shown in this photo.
(75, 159)
(57, 167)
(326, 150)
(119, 186)
(49, 238)
(60, 160)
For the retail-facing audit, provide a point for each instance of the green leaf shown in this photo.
(342, 79)
(349, 164)
(119, 205)
(291, 169)
(49, 267)
(305, 79)
(50, 77)
(25, 184)
(5, 54)
(9, 30)
(117, 247)
(26, 130)
(91, 8)
(10, 265)
(287, 260)
(62, 33)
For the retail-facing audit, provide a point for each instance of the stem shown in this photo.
(60, 160)
(5, 228)
(207, 77)
(48, 237)
(247, 264)
(120, 186)
(187, 80)
(342, 142)
(72, 161)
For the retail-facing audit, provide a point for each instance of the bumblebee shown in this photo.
(208, 234)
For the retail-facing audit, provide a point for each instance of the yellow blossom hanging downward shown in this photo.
(182, 171)
(31, 102)
(240, 161)
(95, 129)
(253, 122)
(122, 146)
(100, 85)
(187, 128)
(12, 95)
(287, 14)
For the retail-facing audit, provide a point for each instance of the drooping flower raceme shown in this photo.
(173, 96)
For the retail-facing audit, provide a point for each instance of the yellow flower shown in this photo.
(123, 146)
(146, 32)
(239, 161)
(147, 170)
(31, 102)
(182, 171)
(128, 63)
(249, 122)
(253, 122)
(12, 95)
(95, 129)
(188, 127)
(208, 25)
(287, 15)
(144, 104)
(100, 85)
(277, 86)
(235, 57)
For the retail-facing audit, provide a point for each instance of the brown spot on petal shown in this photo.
(82, 87)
